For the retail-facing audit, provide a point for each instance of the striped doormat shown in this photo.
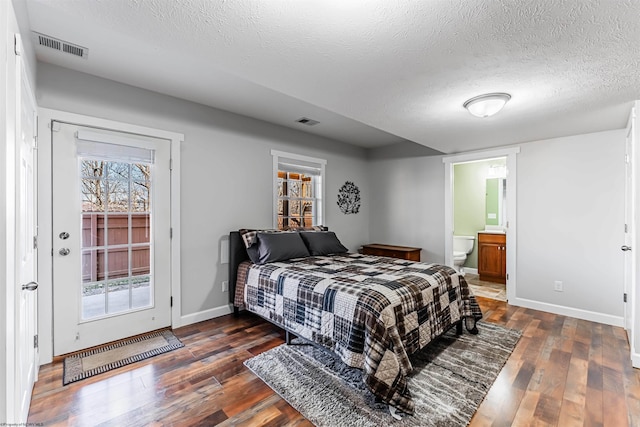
(102, 359)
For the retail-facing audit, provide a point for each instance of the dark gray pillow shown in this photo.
(323, 243)
(250, 239)
(274, 247)
(253, 253)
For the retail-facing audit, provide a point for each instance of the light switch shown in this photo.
(491, 216)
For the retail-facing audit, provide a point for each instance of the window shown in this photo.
(298, 190)
(115, 194)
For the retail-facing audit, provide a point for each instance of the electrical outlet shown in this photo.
(557, 286)
(225, 286)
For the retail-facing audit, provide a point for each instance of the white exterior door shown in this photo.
(111, 235)
(26, 348)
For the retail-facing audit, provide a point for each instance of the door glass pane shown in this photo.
(141, 260)
(93, 268)
(141, 291)
(118, 196)
(93, 185)
(118, 229)
(93, 194)
(93, 300)
(140, 228)
(119, 295)
(141, 183)
(118, 263)
(90, 229)
(93, 169)
(116, 237)
(118, 171)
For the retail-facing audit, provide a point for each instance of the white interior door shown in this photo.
(111, 235)
(629, 237)
(26, 231)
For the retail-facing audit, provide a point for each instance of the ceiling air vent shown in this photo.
(307, 121)
(60, 45)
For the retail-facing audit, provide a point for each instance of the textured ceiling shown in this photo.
(377, 71)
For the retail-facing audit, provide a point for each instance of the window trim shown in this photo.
(321, 163)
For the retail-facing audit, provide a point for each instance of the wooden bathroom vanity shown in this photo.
(492, 257)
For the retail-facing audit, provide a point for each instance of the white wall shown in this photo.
(406, 206)
(226, 180)
(571, 221)
(570, 200)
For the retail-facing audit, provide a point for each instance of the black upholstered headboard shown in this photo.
(237, 254)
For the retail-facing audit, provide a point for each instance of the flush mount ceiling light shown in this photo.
(486, 105)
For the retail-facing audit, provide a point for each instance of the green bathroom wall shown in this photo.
(469, 201)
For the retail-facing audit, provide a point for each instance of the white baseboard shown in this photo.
(201, 316)
(635, 360)
(592, 316)
(470, 270)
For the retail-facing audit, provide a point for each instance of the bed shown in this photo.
(373, 312)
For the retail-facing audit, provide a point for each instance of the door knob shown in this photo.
(625, 248)
(31, 286)
(64, 251)
(64, 235)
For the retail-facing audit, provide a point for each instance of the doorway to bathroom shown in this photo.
(480, 220)
(479, 225)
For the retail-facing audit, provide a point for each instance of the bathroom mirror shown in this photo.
(496, 191)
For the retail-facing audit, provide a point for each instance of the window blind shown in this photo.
(112, 147)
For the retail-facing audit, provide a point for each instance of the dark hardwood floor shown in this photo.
(563, 372)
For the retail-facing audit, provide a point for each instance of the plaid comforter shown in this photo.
(373, 312)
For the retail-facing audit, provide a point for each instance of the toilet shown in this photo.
(462, 246)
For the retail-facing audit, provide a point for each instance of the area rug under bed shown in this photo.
(102, 359)
(451, 378)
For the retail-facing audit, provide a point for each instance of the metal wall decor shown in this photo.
(349, 198)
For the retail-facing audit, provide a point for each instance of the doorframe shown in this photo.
(45, 206)
(449, 162)
(634, 297)
(630, 203)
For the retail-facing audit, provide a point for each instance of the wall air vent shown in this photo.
(60, 45)
(307, 121)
